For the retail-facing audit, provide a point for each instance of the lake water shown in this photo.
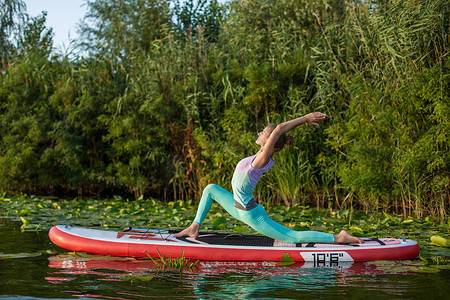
(31, 267)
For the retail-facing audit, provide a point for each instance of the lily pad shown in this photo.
(439, 241)
(355, 228)
(18, 255)
(241, 230)
(287, 260)
(391, 217)
(134, 277)
(382, 263)
(441, 267)
(24, 221)
(425, 269)
(413, 262)
(219, 223)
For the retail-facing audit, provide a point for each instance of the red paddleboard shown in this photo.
(224, 247)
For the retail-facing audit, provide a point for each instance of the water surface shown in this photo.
(31, 267)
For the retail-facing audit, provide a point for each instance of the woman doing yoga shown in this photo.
(241, 205)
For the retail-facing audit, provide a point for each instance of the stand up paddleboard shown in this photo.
(225, 247)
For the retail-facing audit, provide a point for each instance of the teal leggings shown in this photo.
(256, 218)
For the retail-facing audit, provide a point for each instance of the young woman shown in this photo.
(241, 205)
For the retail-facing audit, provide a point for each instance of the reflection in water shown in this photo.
(216, 279)
(73, 264)
(84, 262)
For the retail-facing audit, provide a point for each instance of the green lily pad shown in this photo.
(25, 212)
(134, 277)
(439, 241)
(241, 230)
(355, 228)
(392, 218)
(287, 260)
(441, 267)
(18, 255)
(382, 263)
(300, 228)
(425, 269)
(219, 223)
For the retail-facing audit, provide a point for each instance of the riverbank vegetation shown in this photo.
(159, 98)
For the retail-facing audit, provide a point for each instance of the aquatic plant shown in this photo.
(168, 263)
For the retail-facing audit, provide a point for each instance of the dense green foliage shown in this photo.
(168, 96)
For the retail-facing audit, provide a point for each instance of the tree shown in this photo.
(11, 18)
(195, 18)
(26, 117)
(119, 28)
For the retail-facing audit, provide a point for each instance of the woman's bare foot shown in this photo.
(345, 238)
(191, 231)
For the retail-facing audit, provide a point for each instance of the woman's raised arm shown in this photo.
(311, 118)
(268, 149)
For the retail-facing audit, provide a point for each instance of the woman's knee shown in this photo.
(210, 188)
(215, 192)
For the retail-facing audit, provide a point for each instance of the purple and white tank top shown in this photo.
(244, 181)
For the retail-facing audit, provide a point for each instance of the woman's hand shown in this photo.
(268, 149)
(314, 118)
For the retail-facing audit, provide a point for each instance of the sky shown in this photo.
(62, 15)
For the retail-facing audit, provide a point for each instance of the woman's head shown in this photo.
(263, 136)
